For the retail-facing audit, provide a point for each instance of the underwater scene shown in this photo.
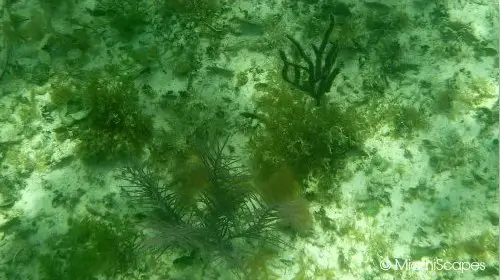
(249, 139)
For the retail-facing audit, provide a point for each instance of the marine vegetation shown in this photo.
(91, 248)
(127, 17)
(315, 78)
(207, 210)
(283, 191)
(115, 126)
(408, 120)
(190, 6)
(302, 137)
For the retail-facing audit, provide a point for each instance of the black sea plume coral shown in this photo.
(317, 75)
(225, 219)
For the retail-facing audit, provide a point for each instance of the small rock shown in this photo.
(9, 133)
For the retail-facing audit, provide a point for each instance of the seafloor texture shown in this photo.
(222, 139)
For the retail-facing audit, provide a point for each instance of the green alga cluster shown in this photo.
(90, 249)
(190, 6)
(300, 136)
(115, 126)
(127, 17)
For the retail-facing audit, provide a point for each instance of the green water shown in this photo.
(222, 139)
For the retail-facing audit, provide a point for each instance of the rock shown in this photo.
(9, 133)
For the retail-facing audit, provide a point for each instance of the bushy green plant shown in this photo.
(190, 6)
(449, 151)
(91, 248)
(64, 89)
(126, 16)
(116, 127)
(302, 137)
(407, 120)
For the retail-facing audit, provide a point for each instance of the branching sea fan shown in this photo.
(225, 219)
